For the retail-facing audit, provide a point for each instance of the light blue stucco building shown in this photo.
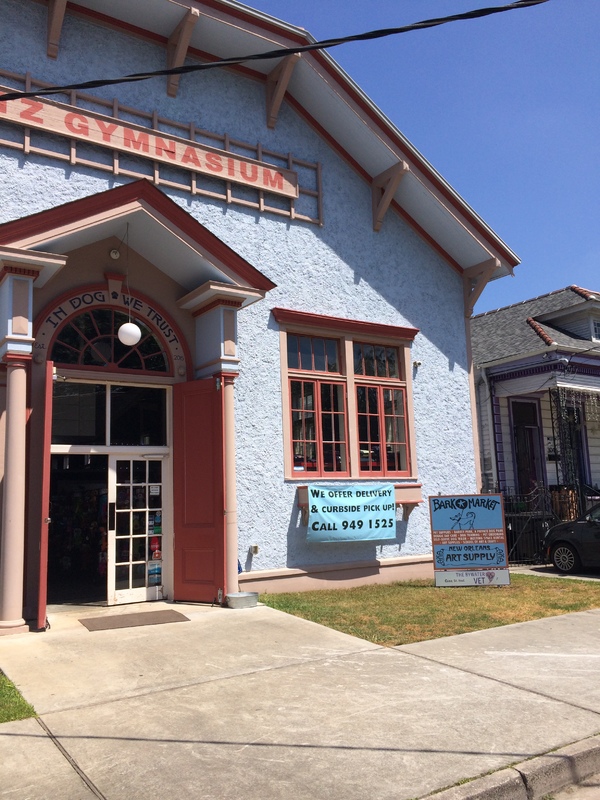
(298, 280)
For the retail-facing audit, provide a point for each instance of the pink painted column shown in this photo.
(231, 524)
(12, 546)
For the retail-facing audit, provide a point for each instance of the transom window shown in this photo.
(108, 414)
(346, 421)
(91, 340)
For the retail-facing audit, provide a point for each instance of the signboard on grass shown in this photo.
(469, 540)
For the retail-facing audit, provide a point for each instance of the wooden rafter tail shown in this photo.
(277, 83)
(475, 280)
(56, 15)
(177, 47)
(383, 189)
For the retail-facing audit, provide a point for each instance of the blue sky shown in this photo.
(506, 108)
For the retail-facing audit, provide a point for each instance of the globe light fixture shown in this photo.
(129, 334)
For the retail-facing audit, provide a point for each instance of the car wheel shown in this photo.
(565, 558)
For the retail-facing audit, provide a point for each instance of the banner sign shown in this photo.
(468, 535)
(126, 137)
(351, 513)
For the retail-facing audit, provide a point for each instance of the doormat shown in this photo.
(112, 621)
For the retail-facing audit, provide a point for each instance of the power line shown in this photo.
(326, 44)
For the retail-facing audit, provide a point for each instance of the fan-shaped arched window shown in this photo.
(90, 340)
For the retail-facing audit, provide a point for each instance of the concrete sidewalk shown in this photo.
(255, 704)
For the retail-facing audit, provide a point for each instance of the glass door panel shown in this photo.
(135, 529)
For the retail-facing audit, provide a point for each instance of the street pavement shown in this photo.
(259, 705)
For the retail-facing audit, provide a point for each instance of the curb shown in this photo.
(533, 779)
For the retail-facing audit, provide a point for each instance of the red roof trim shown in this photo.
(585, 293)
(285, 316)
(540, 331)
(142, 190)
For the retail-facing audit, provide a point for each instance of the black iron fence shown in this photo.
(529, 516)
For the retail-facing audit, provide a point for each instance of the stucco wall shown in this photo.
(343, 269)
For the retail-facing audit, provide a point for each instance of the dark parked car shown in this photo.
(573, 545)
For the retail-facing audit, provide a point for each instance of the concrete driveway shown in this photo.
(256, 704)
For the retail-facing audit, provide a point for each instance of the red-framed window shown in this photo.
(381, 410)
(382, 434)
(319, 427)
(347, 421)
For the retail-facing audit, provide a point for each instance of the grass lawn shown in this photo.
(414, 611)
(12, 705)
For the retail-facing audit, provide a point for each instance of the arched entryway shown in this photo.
(110, 526)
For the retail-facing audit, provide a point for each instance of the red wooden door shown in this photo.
(45, 506)
(198, 492)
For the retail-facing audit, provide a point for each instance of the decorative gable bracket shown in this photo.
(475, 279)
(277, 83)
(177, 47)
(56, 15)
(383, 189)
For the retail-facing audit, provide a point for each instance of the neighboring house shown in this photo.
(300, 277)
(538, 399)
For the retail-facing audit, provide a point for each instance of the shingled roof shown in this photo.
(516, 330)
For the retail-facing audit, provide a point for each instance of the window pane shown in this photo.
(319, 354)
(309, 396)
(138, 416)
(369, 359)
(374, 428)
(71, 336)
(124, 471)
(123, 524)
(155, 497)
(122, 577)
(331, 347)
(139, 522)
(339, 427)
(138, 548)
(292, 352)
(373, 400)
(392, 359)
(122, 550)
(380, 362)
(305, 353)
(139, 497)
(123, 497)
(79, 413)
(358, 360)
(361, 399)
(138, 576)
(139, 472)
(311, 457)
(155, 471)
(85, 324)
(309, 427)
(362, 428)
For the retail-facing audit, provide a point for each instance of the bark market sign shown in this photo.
(469, 540)
(136, 140)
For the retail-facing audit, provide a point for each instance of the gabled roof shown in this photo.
(319, 90)
(156, 227)
(531, 326)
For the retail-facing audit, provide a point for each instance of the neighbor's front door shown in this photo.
(134, 541)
